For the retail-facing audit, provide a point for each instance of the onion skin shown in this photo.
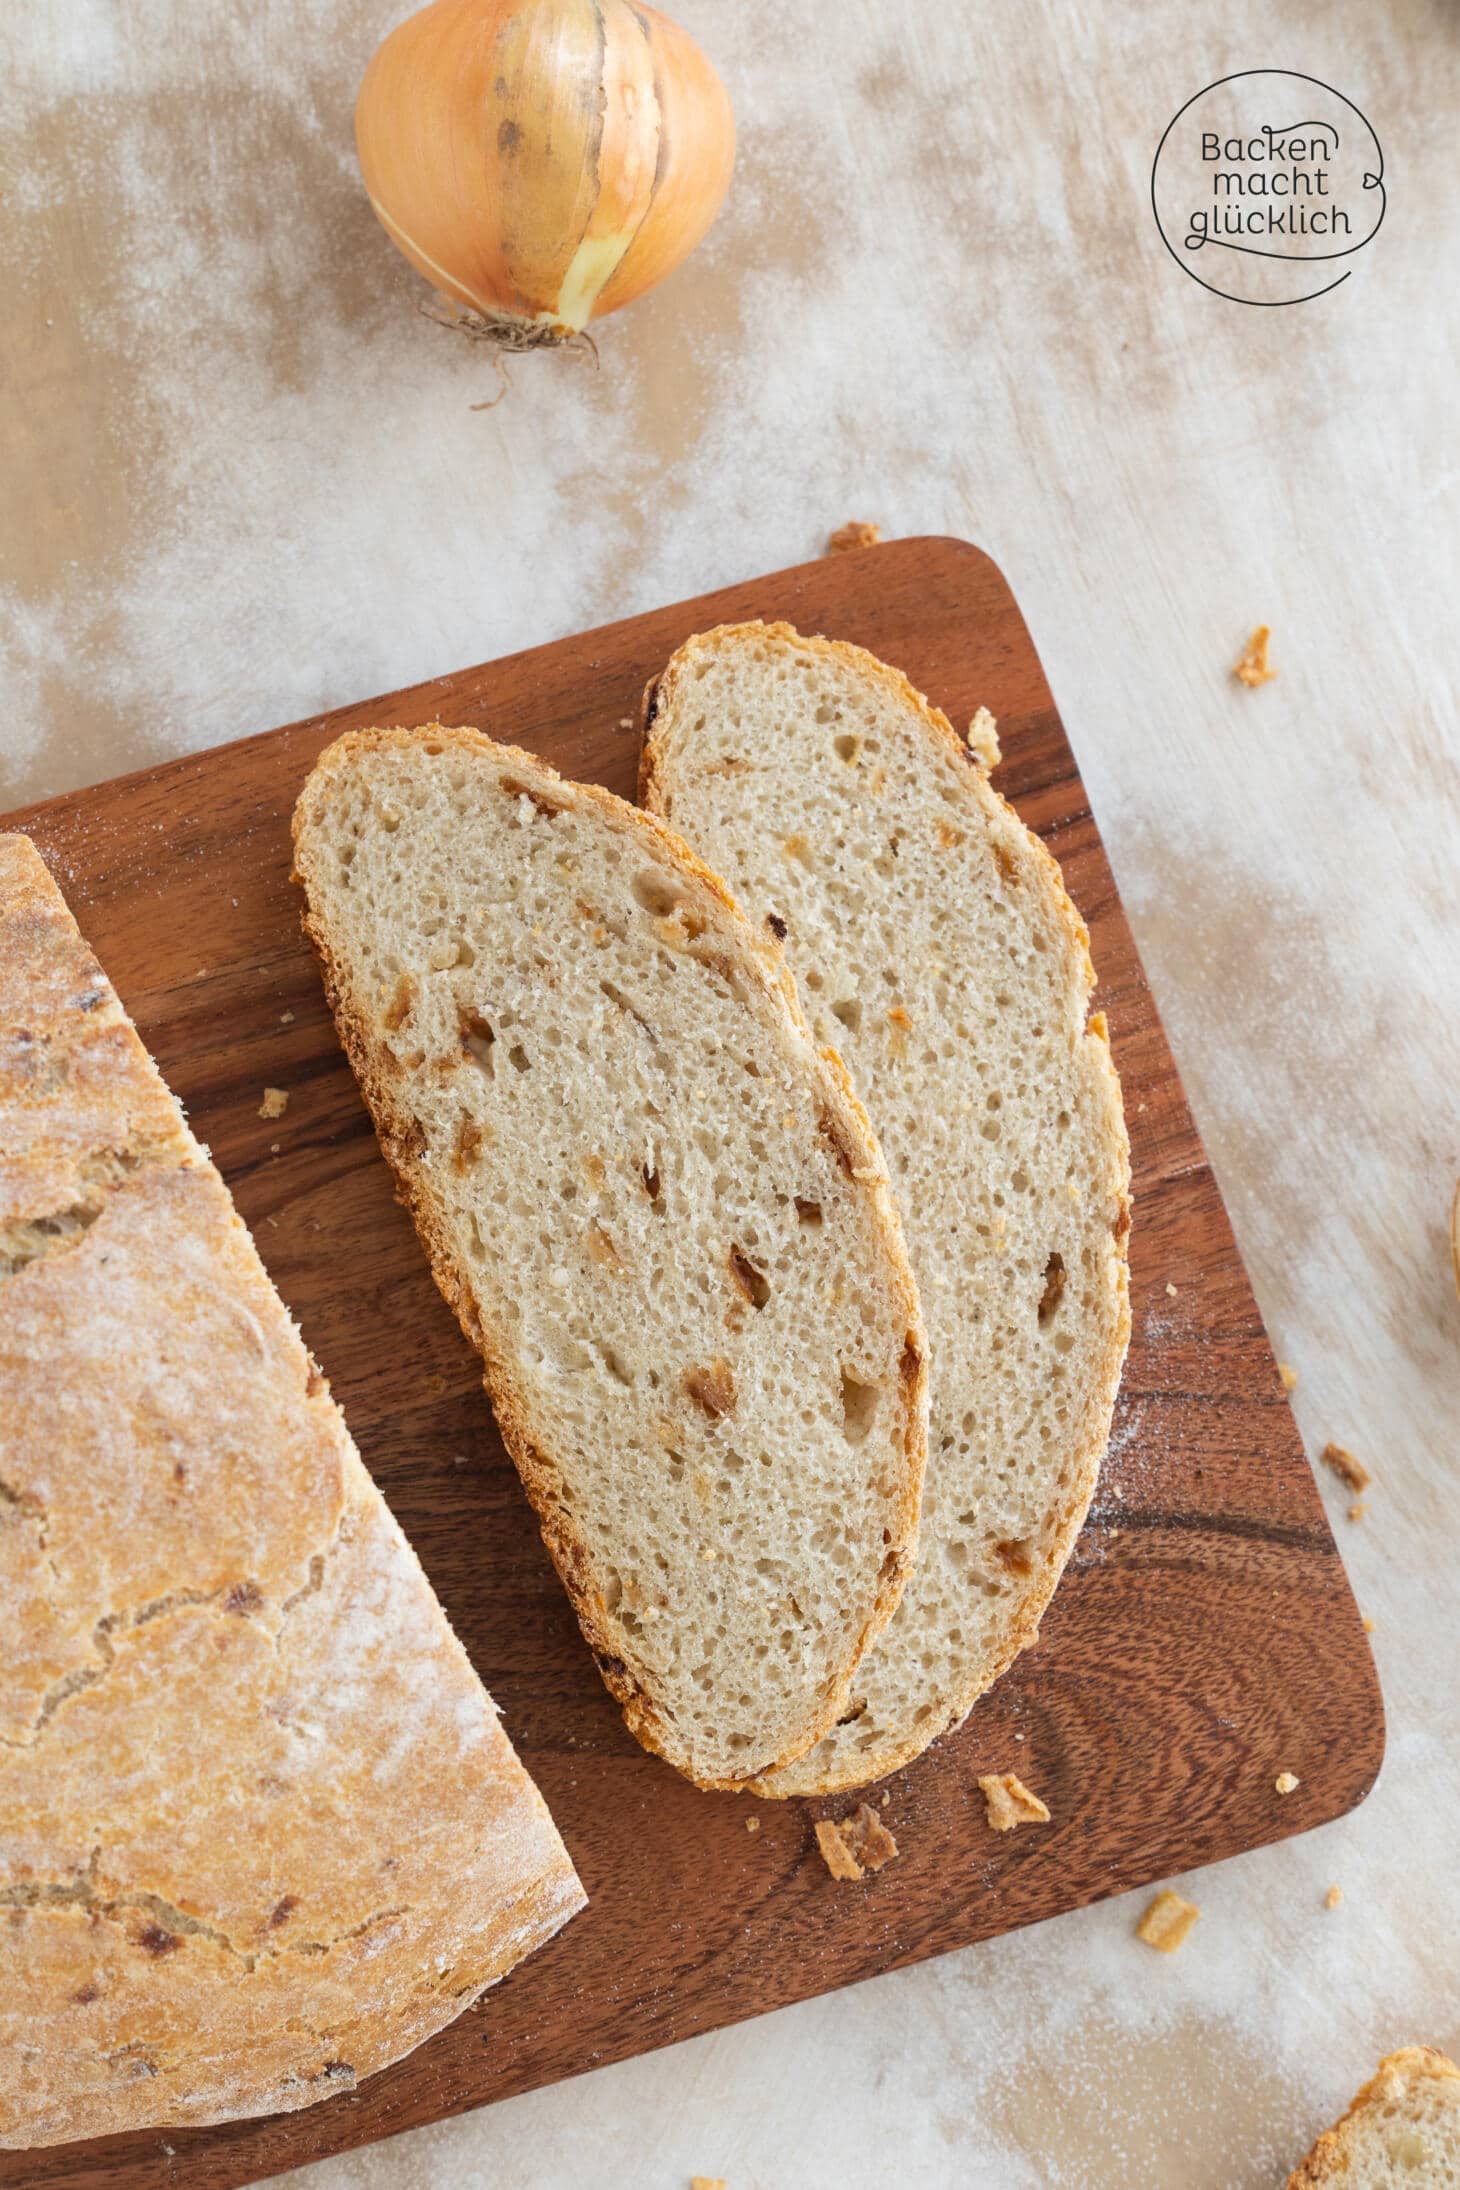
(543, 162)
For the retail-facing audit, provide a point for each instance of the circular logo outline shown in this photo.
(1249, 250)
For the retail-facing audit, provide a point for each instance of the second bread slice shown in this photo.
(659, 1213)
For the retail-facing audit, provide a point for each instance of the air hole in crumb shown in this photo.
(477, 1039)
(517, 1058)
(650, 1178)
(614, 1364)
(1054, 1285)
(847, 746)
(849, 1011)
(656, 893)
(859, 1407)
(808, 1212)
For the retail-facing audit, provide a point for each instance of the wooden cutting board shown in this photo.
(1204, 1638)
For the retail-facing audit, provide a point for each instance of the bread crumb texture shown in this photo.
(855, 1844)
(1402, 2132)
(658, 1213)
(274, 1104)
(1008, 1802)
(1346, 1467)
(857, 533)
(1252, 666)
(935, 950)
(260, 1831)
(1167, 1921)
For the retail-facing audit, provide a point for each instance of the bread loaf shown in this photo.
(932, 941)
(260, 1830)
(658, 1212)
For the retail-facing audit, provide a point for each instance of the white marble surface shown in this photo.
(242, 481)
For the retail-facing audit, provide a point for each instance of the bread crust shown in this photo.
(260, 1830)
(613, 1648)
(1397, 2075)
(657, 707)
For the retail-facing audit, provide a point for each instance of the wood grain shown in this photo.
(1205, 1637)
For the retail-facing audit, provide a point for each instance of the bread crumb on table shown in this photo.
(1289, 1377)
(707, 2182)
(286, 1018)
(1009, 1802)
(1358, 1509)
(983, 740)
(1253, 667)
(752, 1824)
(856, 533)
(1368, 1624)
(274, 1104)
(1167, 1921)
(855, 1844)
(1286, 1782)
(1171, 1289)
(1333, 1896)
(1346, 1467)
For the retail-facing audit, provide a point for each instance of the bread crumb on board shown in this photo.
(1333, 1896)
(1346, 1467)
(1253, 667)
(1286, 1782)
(1009, 1802)
(1368, 1624)
(286, 1018)
(983, 740)
(1167, 1921)
(274, 1104)
(1171, 1290)
(856, 533)
(853, 1845)
(1289, 1377)
(752, 1824)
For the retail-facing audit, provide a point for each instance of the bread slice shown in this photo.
(658, 1212)
(260, 1831)
(1402, 2132)
(932, 941)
